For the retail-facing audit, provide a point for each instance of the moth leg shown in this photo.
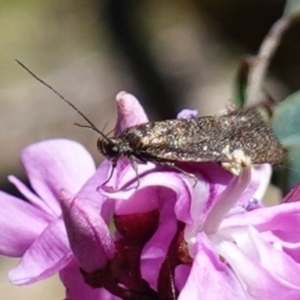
(173, 166)
(110, 175)
(238, 160)
(133, 163)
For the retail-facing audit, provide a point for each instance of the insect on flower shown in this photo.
(235, 139)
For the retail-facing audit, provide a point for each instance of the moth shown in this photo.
(236, 137)
(201, 139)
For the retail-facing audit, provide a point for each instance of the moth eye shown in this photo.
(115, 149)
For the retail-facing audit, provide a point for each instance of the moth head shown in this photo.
(110, 148)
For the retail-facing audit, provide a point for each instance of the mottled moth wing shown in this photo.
(204, 139)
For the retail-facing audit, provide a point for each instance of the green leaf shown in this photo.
(286, 121)
(240, 84)
(292, 7)
(293, 171)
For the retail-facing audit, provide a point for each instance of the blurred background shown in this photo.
(170, 54)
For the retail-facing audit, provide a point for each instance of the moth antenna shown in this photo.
(103, 129)
(84, 126)
(92, 126)
(111, 131)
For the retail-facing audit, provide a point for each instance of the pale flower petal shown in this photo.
(55, 164)
(20, 224)
(130, 112)
(77, 289)
(88, 233)
(210, 278)
(258, 281)
(48, 254)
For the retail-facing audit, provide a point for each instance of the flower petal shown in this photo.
(90, 190)
(29, 195)
(153, 180)
(20, 224)
(279, 224)
(187, 114)
(167, 191)
(130, 112)
(88, 233)
(285, 268)
(77, 289)
(49, 253)
(283, 217)
(210, 278)
(155, 251)
(226, 200)
(293, 195)
(259, 280)
(55, 164)
(261, 176)
(182, 272)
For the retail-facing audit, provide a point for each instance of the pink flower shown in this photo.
(170, 239)
(33, 228)
(252, 255)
